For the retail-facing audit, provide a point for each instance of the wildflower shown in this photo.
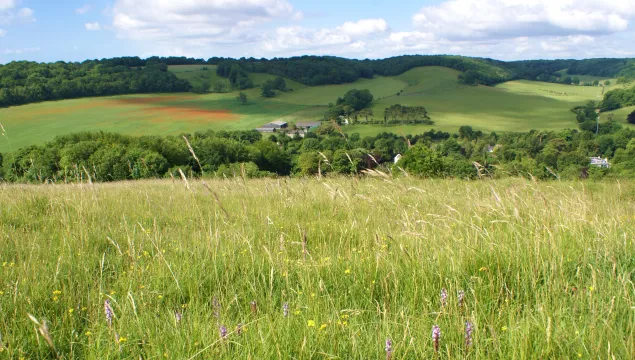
(461, 296)
(178, 316)
(436, 337)
(297, 312)
(347, 271)
(223, 332)
(57, 292)
(88, 333)
(504, 328)
(323, 326)
(591, 288)
(122, 340)
(254, 307)
(285, 309)
(468, 334)
(55, 298)
(239, 329)
(388, 349)
(109, 313)
(483, 269)
(444, 297)
(70, 311)
(310, 323)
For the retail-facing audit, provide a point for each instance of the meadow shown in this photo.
(329, 268)
(511, 106)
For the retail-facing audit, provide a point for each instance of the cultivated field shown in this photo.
(545, 269)
(513, 106)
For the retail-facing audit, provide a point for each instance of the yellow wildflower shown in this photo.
(347, 271)
(504, 328)
(483, 269)
(310, 323)
(88, 333)
(323, 326)
(57, 292)
(123, 339)
(70, 311)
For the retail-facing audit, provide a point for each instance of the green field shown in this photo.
(196, 74)
(546, 269)
(512, 106)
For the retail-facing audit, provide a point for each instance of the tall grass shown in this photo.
(547, 269)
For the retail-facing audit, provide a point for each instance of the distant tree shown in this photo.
(356, 99)
(575, 81)
(596, 83)
(267, 89)
(279, 84)
(607, 83)
(631, 118)
(421, 160)
(365, 113)
(242, 98)
(220, 86)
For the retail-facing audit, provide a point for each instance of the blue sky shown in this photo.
(70, 30)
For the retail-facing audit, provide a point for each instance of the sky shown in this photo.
(76, 30)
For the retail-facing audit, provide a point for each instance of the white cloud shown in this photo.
(347, 38)
(83, 10)
(363, 27)
(21, 51)
(504, 29)
(479, 19)
(209, 21)
(10, 14)
(7, 4)
(94, 26)
(25, 13)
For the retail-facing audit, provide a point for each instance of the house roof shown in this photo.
(308, 124)
(278, 122)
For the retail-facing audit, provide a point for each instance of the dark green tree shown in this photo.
(631, 118)
(267, 89)
(242, 98)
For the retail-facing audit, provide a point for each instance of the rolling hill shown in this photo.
(518, 105)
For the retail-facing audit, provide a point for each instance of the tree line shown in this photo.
(27, 82)
(468, 153)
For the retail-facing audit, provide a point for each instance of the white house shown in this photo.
(599, 162)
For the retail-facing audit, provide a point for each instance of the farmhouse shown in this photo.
(599, 162)
(272, 126)
(307, 125)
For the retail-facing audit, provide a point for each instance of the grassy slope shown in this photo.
(621, 114)
(513, 106)
(452, 105)
(37, 123)
(546, 269)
